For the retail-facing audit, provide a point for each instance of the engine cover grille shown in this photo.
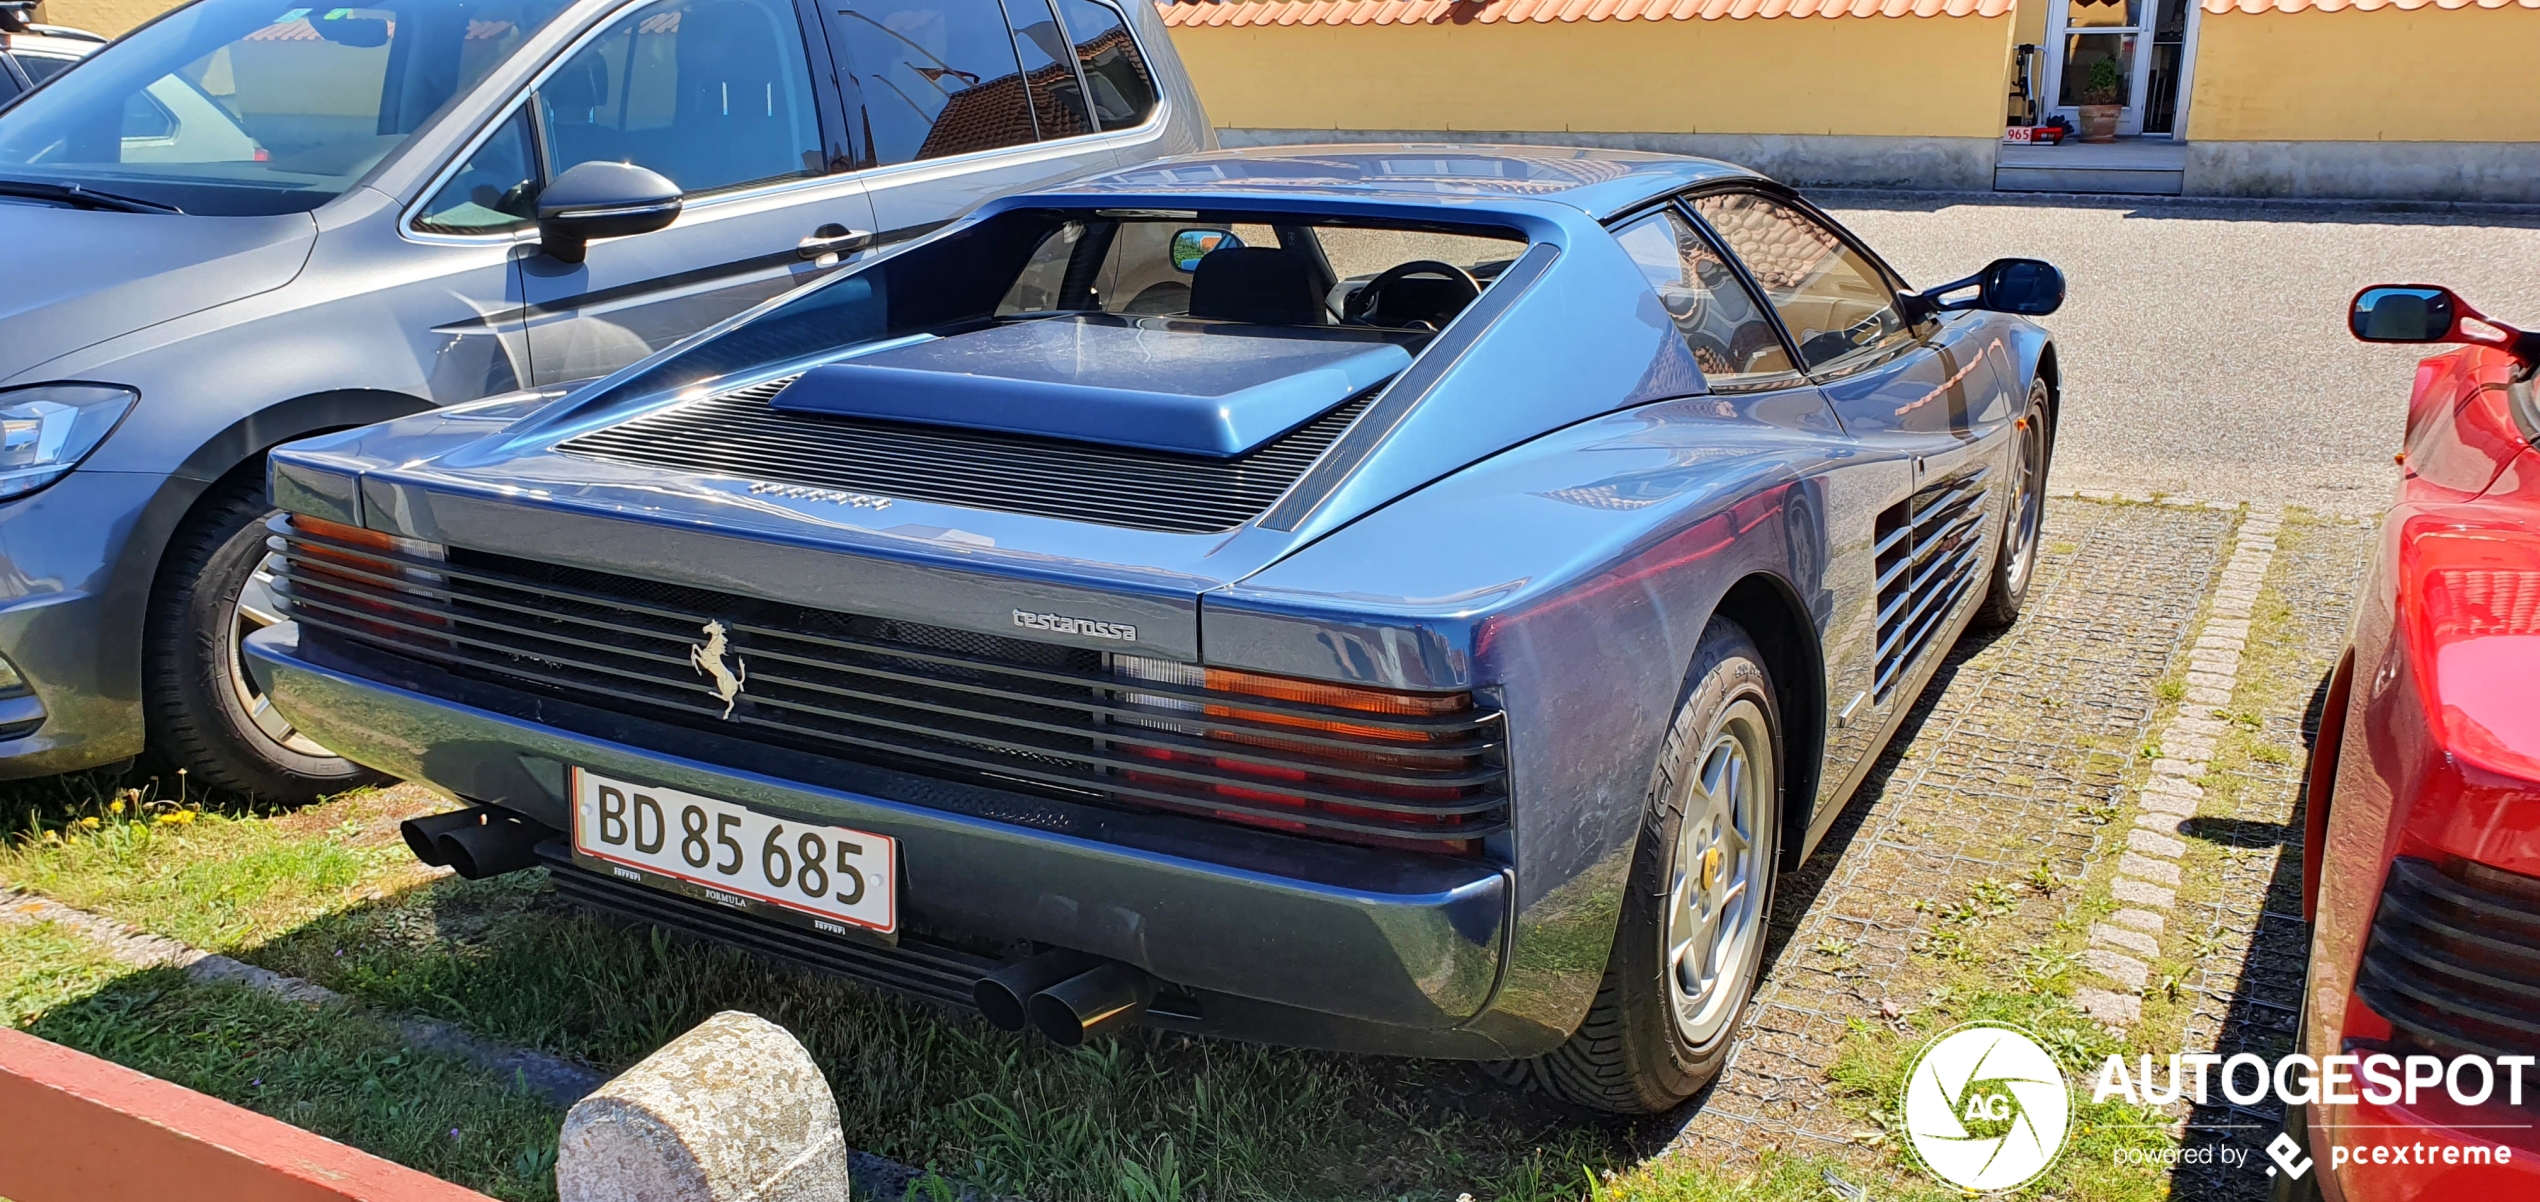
(2454, 957)
(737, 434)
(1006, 713)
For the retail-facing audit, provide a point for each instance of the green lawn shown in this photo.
(328, 893)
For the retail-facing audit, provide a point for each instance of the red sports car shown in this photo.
(2421, 867)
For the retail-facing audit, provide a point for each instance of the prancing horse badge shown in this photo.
(709, 660)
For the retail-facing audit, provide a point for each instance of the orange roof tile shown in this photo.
(2330, 6)
(1492, 12)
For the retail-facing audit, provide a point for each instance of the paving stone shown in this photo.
(2141, 920)
(2177, 805)
(2155, 845)
(2214, 697)
(2159, 823)
(2115, 1009)
(2222, 682)
(2116, 966)
(2142, 893)
(2182, 769)
(2157, 871)
(2124, 940)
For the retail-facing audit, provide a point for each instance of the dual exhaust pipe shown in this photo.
(477, 842)
(1068, 996)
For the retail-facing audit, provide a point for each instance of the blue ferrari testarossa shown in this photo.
(1301, 595)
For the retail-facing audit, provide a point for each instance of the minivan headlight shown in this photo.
(47, 429)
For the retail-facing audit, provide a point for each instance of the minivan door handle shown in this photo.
(833, 239)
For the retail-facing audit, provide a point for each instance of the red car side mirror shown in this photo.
(2433, 313)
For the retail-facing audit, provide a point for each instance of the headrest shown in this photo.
(1260, 284)
(577, 89)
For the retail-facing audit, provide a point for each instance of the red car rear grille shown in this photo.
(2454, 957)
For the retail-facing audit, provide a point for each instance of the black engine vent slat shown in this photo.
(956, 705)
(2454, 959)
(1926, 550)
(739, 434)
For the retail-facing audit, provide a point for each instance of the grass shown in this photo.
(343, 1075)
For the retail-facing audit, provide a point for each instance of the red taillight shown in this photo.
(333, 552)
(2470, 599)
(1324, 756)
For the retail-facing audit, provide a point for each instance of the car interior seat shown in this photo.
(1260, 284)
(576, 99)
(734, 120)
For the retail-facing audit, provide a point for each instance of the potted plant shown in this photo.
(2102, 96)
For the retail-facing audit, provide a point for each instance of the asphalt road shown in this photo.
(2204, 347)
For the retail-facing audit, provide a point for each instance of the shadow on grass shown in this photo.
(344, 1075)
(940, 1089)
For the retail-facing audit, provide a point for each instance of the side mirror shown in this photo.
(602, 200)
(1191, 246)
(2028, 287)
(2419, 313)
(2404, 314)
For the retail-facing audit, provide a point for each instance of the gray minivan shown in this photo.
(248, 221)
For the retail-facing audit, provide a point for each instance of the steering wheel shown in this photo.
(1364, 301)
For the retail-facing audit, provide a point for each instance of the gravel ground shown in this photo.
(2204, 346)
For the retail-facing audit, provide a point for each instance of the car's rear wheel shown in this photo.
(2025, 517)
(205, 711)
(1691, 936)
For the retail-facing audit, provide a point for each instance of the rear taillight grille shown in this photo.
(2454, 957)
(1416, 770)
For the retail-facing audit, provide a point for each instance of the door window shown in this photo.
(1049, 72)
(935, 77)
(1839, 307)
(713, 94)
(1731, 337)
(41, 67)
(495, 192)
(1120, 87)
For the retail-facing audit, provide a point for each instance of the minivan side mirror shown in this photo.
(2028, 287)
(2419, 313)
(602, 200)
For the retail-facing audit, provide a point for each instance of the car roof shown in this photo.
(1596, 181)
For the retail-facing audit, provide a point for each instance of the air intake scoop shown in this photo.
(1168, 384)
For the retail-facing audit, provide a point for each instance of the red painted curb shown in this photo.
(74, 1128)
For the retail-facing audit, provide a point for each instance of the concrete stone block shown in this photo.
(2160, 823)
(2182, 769)
(732, 1111)
(2141, 920)
(2123, 969)
(2125, 941)
(2114, 1009)
(2142, 893)
(2155, 845)
(2160, 872)
(2212, 697)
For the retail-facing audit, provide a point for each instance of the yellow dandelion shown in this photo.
(90, 822)
(181, 817)
(115, 806)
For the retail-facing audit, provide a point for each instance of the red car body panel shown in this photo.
(2429, 748)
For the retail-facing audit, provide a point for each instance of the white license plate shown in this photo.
(828, 872)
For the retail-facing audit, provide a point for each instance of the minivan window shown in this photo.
(295, 103)
(495, 191)
(1120, 87)
(1058, 101)
(713, 94)
(935, 77)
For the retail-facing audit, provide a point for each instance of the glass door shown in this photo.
(2131, 53)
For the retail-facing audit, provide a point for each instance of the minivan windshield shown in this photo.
(253, 107)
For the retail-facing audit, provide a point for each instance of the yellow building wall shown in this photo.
(2466, 75)
(1924, 76)
(113, 18)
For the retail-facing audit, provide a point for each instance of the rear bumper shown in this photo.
(1278, 939)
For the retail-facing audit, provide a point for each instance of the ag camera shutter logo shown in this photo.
(1986, 1107)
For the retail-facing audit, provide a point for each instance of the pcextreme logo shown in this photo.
(1986, 1107)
